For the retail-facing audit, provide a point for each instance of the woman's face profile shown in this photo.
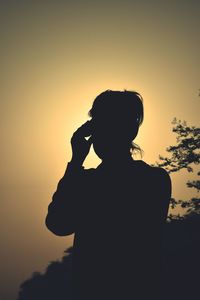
(112, 136)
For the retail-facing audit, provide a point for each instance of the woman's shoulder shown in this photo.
(153, 170)
(141, 164)
(155, 177)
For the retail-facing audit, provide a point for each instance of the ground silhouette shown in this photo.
(53, 284)
(181, 258)
(180, 270)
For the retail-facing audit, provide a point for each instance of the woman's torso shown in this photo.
(117, 241)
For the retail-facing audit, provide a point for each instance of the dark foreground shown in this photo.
(181, 267)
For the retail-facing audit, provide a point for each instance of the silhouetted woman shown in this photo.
(117, 210)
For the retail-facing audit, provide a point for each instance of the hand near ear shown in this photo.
(81, 146)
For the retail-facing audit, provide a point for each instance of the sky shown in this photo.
(56, 57)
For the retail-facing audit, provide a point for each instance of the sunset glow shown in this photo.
(56, 59)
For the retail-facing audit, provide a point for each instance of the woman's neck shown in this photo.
(118, 159)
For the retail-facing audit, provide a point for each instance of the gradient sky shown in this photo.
(56, 57)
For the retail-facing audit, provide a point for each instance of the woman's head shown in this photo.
(116, 117)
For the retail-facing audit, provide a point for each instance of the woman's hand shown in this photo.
(81, 146)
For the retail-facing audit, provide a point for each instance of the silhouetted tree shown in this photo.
(53, 284)
(184, 155)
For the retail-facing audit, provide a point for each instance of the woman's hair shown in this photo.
(126, 104)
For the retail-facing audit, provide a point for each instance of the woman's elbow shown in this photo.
(57, 227)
